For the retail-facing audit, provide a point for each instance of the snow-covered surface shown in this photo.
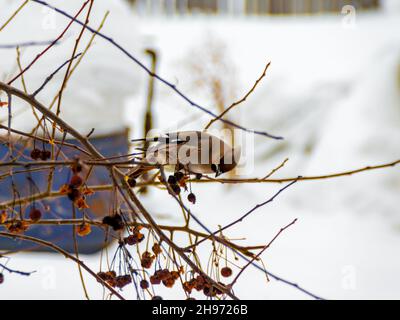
(102, 81)
(333, 92)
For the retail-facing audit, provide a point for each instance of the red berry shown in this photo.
(76, 181)
(35, 154)
(154, 280)
(45, 155)
(226, 272)
(144, 284)
(191, 198)
(74, 194)
(35, 214)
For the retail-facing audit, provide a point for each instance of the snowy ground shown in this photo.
(333, 92)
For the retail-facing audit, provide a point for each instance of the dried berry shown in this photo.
(1, 278)
(76, 181)
(188, 286)
(73, 194)
(176, 189)
(162, 274)
(17, 226)
(114, 221)
(200, 283)
(134, 238)
(226, 272)
(45, 155)
(122, 281)
(191, 198)
(147, 260)
(35, 214)
(36, 154)
(169, 283)
(172, 180)
(209, 291)
(131, 182)
(157, 298)
(156, 248)
(83, 229)
(109, 277)
(154, 280)
(144, 284)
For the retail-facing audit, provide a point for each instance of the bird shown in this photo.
(194, 152)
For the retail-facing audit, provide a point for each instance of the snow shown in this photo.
(332, 91)
(102, 81)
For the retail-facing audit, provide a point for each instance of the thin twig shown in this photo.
(261, 252)
(242, 99)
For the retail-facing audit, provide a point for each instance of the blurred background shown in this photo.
(332, 91)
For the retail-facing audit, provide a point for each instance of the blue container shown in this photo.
(61, 207)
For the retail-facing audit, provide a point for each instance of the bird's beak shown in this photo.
(218, 173)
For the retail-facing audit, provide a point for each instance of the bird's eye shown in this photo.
(214, 167)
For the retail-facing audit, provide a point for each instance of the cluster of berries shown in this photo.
(199, 283)
(176, 182)
(17, 226)
(148, 258)
(115, 281)
(37, 154)
(168, 278)
(73, 189)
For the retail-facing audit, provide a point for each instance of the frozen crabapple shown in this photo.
(35, 154)
(73, 194)
(191, 198)
(156, 248)
(154, 280)
(76, 181)
(35, 214)
(144, 284)
(45, 155)
(226, 272)
(147, 260)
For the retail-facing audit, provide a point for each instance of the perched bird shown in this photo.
(195, 152)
